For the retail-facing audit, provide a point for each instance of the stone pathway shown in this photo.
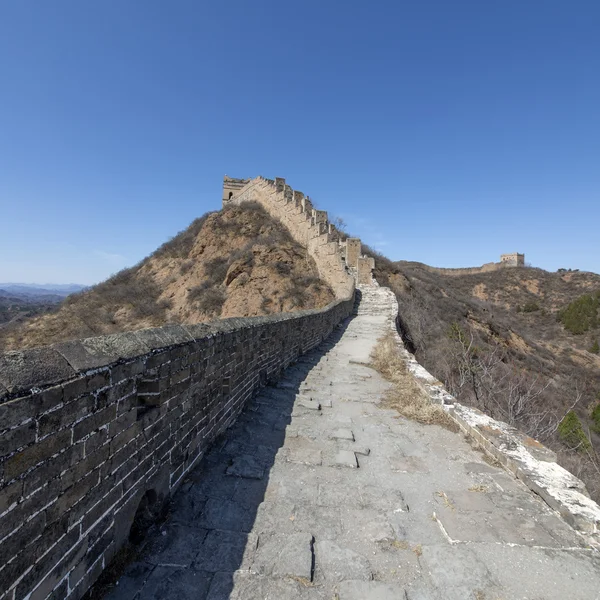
(318, 492)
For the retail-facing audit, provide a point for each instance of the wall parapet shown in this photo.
(92, 429)
(526, 458)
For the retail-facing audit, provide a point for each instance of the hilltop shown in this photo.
(236, 262)
(518, 343)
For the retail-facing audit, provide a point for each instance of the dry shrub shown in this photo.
(406, 396)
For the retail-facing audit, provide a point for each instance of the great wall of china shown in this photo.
(102, 433)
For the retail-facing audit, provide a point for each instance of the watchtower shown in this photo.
(513, 260)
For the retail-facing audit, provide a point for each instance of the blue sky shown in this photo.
(443, 132)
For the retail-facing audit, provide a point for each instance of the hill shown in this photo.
(34, 290)
(521, 344)
(235, 262)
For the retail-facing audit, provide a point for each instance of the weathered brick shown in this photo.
(125, 437)
(27, 508)
(10, 494)
(73, 494)
(47, 572)
(75, 388)
(115, 393)
(98, 380)
(19, 410)
(93, 422)
(152, 386)
(122, 422)
(33, 455)
(97, 511)
(49, 470)
(84, 466)
(96, 440)
(180, 376)
(65, 415)
(127, 370)
(16, 438)
(22, 537)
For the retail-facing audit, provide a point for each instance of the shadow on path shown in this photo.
(207, 534)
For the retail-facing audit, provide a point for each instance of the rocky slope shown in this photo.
(232, 263)
(505, 342)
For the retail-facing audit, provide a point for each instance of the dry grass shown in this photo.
(406, 396)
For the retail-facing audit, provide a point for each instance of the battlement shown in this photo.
(337, 258)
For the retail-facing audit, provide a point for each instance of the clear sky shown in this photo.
(442, 131)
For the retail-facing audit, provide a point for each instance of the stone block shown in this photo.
(342, 434)
(335, 563)
(370, 590)
(25, 459)
(346, 458)
(25, 369)
(16, 438)
(246, 466)
(285, 556)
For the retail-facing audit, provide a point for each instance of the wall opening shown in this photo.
(230, 195)
(147, 512)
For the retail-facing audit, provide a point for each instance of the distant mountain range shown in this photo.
(49, 292)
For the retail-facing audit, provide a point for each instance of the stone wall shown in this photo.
(486, 268)
(335, 257)
(92, 430)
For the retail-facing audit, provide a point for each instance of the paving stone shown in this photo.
(285, 556)
(226, 515)
(457, 571)
(342, 434)
(180, 584)
(131, 582)
(246, 466)
(305, 456)
(308, 403)
(370, 590)
(249, 586)
(470, 500)
(226, 551)
(338, 564)
(176, 545)
(408, 464)
(346, 458)
(358, 449)
(368, 524)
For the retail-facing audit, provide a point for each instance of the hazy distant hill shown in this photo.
(28, 290)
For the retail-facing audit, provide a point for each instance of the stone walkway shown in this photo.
(318, 492)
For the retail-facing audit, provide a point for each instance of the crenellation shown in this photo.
(279, 184)
(353, 251)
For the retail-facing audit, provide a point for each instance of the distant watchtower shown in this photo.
(513, 260)
(231, 187)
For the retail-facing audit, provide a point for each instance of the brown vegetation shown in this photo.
(232, 263)
(405, 395)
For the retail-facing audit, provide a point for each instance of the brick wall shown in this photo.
(91, 428)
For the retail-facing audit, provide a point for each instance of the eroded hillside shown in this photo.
(501, 341)
(232, 263)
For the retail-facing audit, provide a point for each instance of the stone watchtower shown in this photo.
(513, 260)
(231, 187)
